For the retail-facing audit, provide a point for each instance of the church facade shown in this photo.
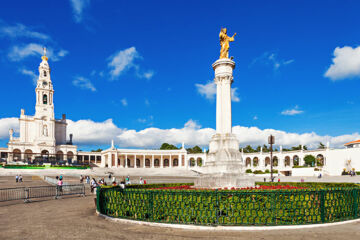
(41, 135)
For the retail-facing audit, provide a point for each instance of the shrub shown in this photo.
(258, 172)
(267, 171)
(248, 171)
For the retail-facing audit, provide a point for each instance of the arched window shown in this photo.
(137, 162)
(255, 161)
(175, 162)
(44, 73)
(248, 162)
(156, 163)
(287, 161)
(45, 99)
(296, 160)
(267, 161)
(147, 162)
(166, 162)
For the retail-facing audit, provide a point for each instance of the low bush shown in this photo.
(248, 171)
(258, 172)
(267, 171)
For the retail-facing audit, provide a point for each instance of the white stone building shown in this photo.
(41, 135)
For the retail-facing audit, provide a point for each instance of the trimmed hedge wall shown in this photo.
(235, 207)
(24, 166)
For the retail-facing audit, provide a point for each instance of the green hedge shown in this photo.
(241, 207)
(24, 166)
(69, 167)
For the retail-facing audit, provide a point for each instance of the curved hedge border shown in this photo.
(237, 208)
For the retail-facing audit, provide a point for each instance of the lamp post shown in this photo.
(271, 141)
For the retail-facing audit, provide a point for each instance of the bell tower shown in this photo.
(44, 91)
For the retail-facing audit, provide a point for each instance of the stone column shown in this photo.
(152, 161)
(144, 161)
(170, 161)
(126, 161)
(161, 161)
(135, 165)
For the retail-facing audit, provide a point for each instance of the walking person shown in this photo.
(17, 178)
(59, 186)
(20, 178)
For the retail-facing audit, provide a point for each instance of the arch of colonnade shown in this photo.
(283, 159)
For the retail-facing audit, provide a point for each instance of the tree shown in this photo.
(166, 146)
(248, 149)
(321, 146)
(195, 149)
(265, 148)
(97, 150)
(309, 160)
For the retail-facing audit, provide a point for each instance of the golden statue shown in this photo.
(224, 43)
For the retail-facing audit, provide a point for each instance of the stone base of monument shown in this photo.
(224, 180)
(224, 165)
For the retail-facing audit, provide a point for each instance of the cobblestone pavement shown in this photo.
(74, 218)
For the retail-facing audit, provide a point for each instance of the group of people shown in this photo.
(86, 178)
(102, 182)
(18, 178)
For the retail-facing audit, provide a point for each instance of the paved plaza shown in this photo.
(75, 218)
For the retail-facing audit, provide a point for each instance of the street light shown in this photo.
(271, 141)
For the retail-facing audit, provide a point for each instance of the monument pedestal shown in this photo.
(224, 165)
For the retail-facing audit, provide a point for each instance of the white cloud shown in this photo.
(208, 91)
(269, 58)
(124, 102)
(346, 63)
(147, 102)
(255, 118)
(83, 83)
(124, 60)
(19, 30)
(20, 52)
(292, 112)
(30, 73)
(6, 124)
(234, 95)
(78, 7)
(89, 132)
(148, 74)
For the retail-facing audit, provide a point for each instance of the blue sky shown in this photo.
(146, 66)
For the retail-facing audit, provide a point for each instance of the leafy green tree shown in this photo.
(321, 146)
(166, 146)
(309, 160)
(265, 148)
(195, 149)
(248, 149)
(97, 150)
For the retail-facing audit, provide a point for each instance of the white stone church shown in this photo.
(41, 134)
(44, 139)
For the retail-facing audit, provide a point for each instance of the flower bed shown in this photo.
(189, 187)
